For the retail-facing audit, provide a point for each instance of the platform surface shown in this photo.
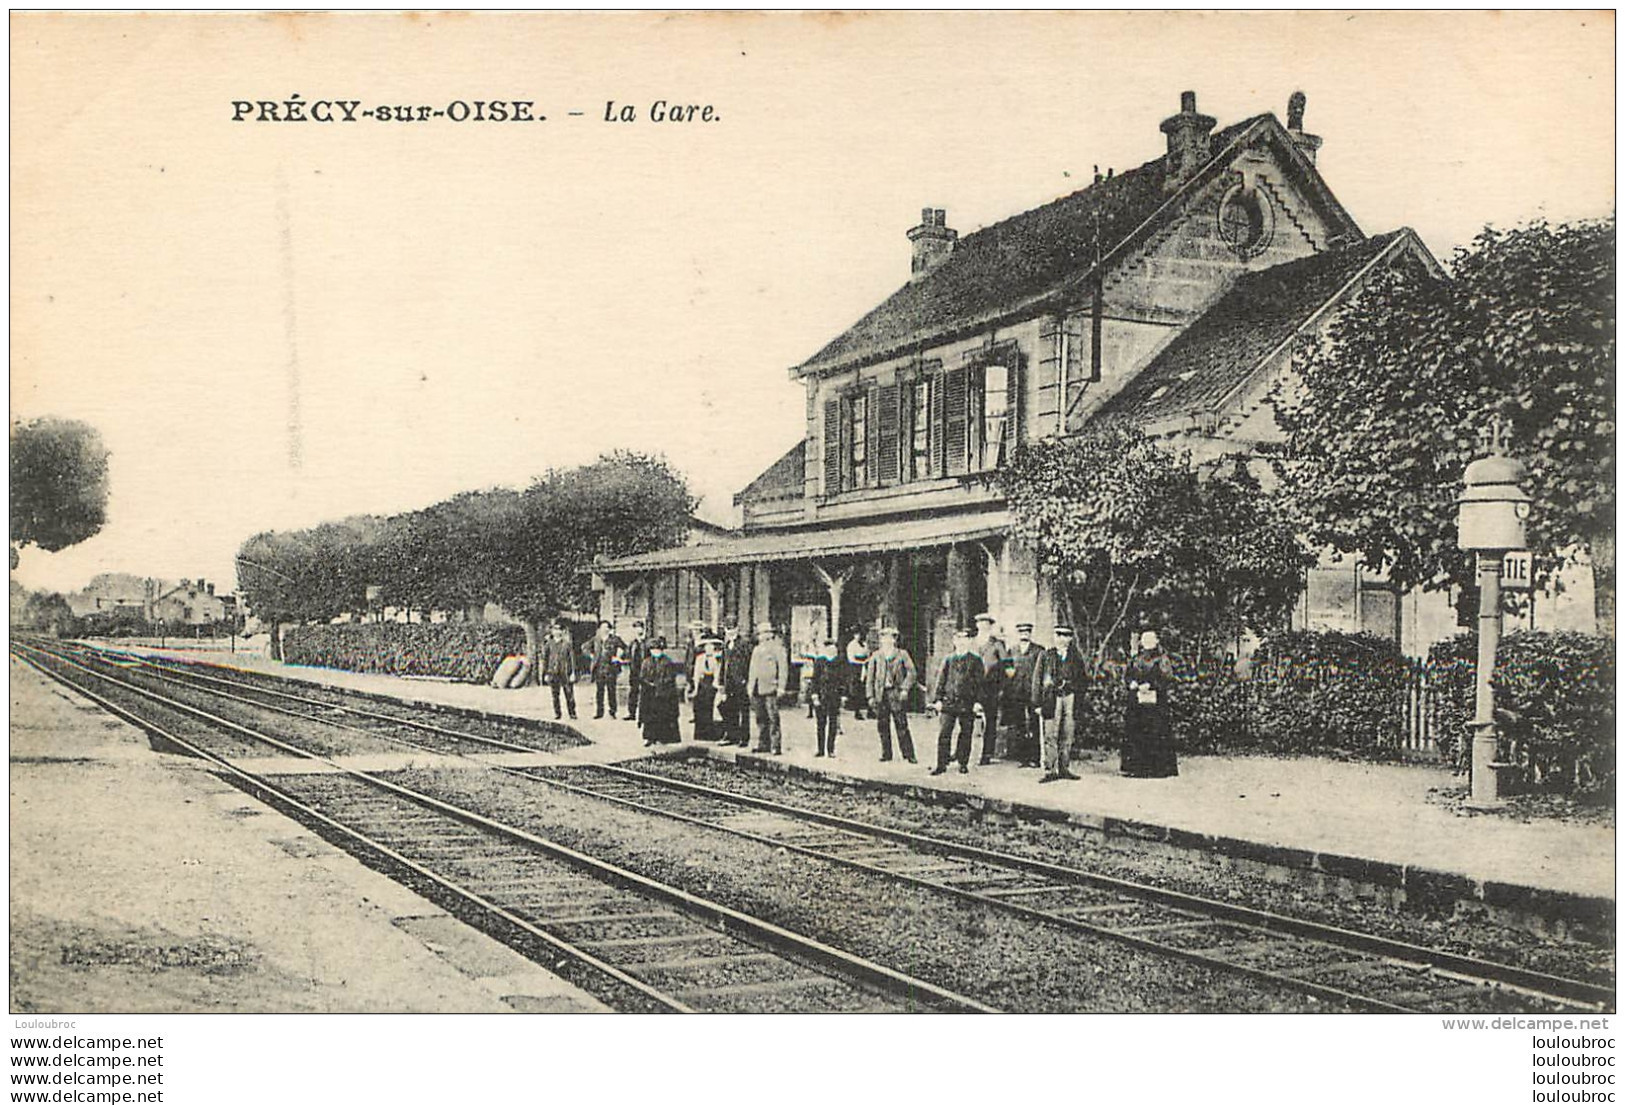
(142, 883)
(1370, 811)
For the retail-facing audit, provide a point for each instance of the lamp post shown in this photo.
(1492, 509)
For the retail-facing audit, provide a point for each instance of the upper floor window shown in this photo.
(920, 458)
(940, 422)
(996, 414)
(857, 440)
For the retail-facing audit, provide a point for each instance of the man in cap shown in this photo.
(888, 681)
(993, 656)
(603, 664)
(824, 691)
(769, 672)
(1018, 697)
(559, 668)
(1056, 680)
(957, 697)
(733, 703)
(637, 651)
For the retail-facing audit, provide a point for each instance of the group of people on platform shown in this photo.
(982, 684)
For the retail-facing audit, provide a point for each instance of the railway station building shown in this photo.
(1172, 295)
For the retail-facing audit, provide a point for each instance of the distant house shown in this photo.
(119, 594)
(111, 591)
(1172, 296)
(192, 602)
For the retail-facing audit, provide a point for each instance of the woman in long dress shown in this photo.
(1148, 735)
(707, 678)
(658, 703)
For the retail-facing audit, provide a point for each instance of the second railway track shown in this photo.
(1354, 968)
(635, 942)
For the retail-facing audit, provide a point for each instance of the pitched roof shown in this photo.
(1213, 356)
(996, 269)
(783, 479)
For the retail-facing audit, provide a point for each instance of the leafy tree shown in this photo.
(1407, 386)
(58, 484)
(45, 611)
(1131, 532)
(546, 538)
(531, 551)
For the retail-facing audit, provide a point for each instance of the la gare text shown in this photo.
(297, 109)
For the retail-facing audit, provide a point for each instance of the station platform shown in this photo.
(142, 883)
(1370, 822)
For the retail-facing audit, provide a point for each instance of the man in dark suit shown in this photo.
(734, 701)
(890, 677)
(957, 696)
(992, 653)
(603, 664)
(1056, 679)
(1018, 697)
(559, 669)
(824, 689)
(637, 651)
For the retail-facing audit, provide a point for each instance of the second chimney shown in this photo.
(932, 240)
(1188, 135)
(1307, 143)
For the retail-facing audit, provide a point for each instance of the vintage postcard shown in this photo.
(779, 512)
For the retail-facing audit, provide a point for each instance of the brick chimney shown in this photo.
(1307, 143)
(1188, 135)
(933, 241)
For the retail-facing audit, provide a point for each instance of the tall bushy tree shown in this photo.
(1407, 385)
(530, 551)
(58, 484)
(622, 504)
(1131, 531)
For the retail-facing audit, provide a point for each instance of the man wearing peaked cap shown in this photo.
(769, 673)
(1018, 697)
(888, 681)
(637, 651)
(824, 691)
(1056, 680)
(734, 701)
(957, 697)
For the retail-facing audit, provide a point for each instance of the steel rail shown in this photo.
(1449, 964)
(165, 671)
(1140, 942)
(261, 788)
(846, 964)
(1536, 983)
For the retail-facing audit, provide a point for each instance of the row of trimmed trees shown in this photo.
(529, 551)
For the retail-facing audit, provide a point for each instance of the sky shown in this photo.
(273, 324)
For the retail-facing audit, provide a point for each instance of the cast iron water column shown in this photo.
(1492, 509)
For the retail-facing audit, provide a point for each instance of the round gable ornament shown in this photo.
(1246, 220)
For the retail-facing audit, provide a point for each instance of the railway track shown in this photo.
(1361, 969)
(635, 942)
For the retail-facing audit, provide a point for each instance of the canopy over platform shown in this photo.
(825, 542)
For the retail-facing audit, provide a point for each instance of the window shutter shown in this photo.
(887, 442)
(939, 423)
(871, 436)
(1016, 400)
(955, 420)
(832, 447)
